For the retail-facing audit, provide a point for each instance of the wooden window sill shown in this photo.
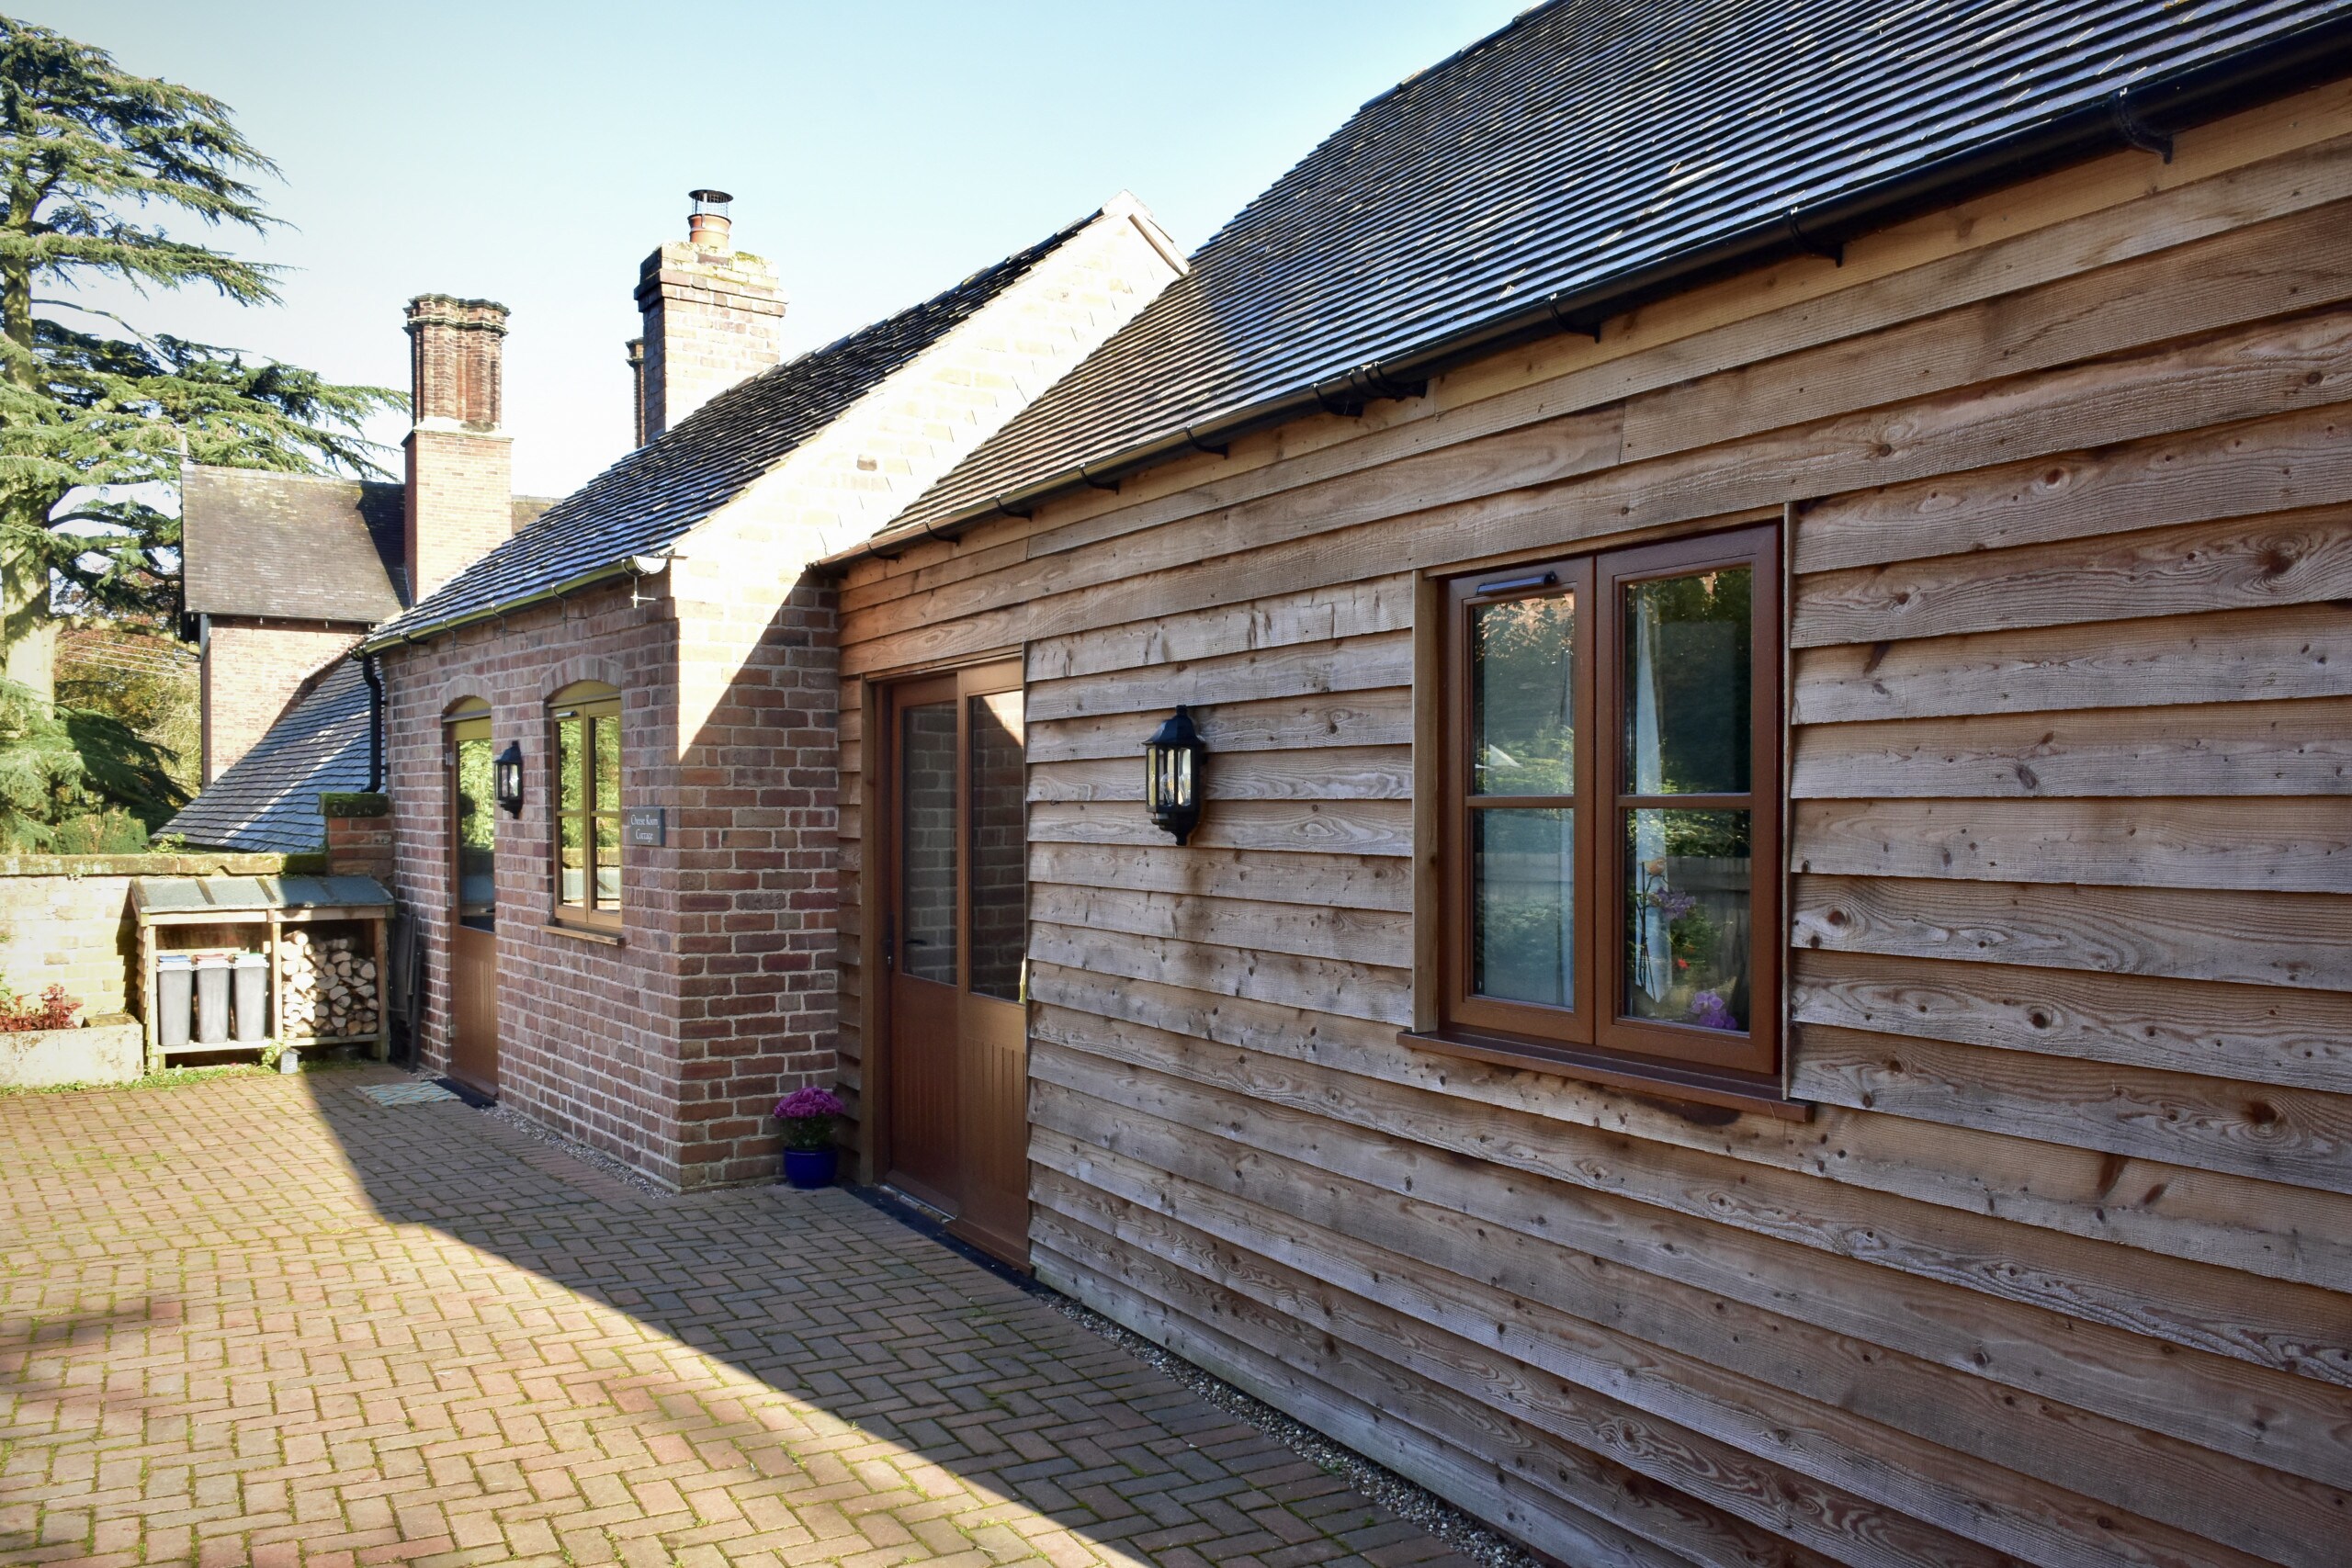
(585, 933)
(1686, 1088)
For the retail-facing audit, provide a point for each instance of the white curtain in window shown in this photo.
(1653, 946)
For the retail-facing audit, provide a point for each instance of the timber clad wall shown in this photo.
(2061, 1268)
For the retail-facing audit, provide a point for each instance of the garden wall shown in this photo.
(65, 920)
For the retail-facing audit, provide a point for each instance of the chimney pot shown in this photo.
(708, 227)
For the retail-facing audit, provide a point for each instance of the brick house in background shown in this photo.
(638, 949)
(284, 573)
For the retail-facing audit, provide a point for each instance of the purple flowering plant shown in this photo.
(809, 1116)
(1709, 1011)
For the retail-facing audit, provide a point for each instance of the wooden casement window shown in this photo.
(586, 719)
(1609, 842)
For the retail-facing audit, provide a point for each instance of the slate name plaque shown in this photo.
(645, 824)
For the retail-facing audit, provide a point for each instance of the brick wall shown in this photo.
(251, 669)
(668, 1049)
(65, 920)
(359, 836)
(461, 501)
(711, 319)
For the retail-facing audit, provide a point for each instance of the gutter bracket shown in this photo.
(2135, 130)
(1198, 444)
(1111, 485)
(997, 501)
(1810, 246)
(1568, 323)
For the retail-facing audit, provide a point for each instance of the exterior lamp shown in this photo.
(506, 779)
(1171, 785)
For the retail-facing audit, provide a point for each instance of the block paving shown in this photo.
(274, 1322)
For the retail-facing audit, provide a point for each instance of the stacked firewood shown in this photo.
(329, 987)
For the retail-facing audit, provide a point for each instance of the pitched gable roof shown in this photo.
(1590, 150)
(655, 495)
(256, 542)
(269, 799)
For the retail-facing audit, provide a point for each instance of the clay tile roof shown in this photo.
(1586, 147)
(653, 496)
(268, 800)
(258, 543)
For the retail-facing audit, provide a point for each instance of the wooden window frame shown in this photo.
(1597, 1037)
(594, 705)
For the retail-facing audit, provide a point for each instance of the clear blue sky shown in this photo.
(535, 153)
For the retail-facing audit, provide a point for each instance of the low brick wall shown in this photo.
(65, 920)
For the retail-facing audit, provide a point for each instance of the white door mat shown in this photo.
(405, 1093)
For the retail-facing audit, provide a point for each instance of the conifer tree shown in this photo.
(92, 159)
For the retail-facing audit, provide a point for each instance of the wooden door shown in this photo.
(473, 904)
(955, 1127)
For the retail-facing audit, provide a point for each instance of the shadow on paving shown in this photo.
(271, 1321)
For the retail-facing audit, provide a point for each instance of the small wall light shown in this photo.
(506, 779)
(1172, 768)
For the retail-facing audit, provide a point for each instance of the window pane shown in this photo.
(1687, 675)
(1000, 867)
(927, 806)
(1686, 918)
(569, 780)
(1522, 906)
(571, 861)
(477, 827)
(609, 762)
(608, 861)
(1522, 707)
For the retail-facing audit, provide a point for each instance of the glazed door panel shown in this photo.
(473, 911)
(956, 934)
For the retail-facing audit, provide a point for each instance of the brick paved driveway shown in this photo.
(270, 1321)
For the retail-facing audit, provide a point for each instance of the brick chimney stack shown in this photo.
(713, 316)
(461, 464)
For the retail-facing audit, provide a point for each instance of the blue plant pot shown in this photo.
(810, 1167)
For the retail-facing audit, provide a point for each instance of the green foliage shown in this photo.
(136, 675)
(88, 151)
(74, 781)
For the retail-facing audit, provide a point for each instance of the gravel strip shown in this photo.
(1410, 1502)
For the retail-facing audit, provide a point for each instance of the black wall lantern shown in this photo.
(1171, 785)
(506, 779)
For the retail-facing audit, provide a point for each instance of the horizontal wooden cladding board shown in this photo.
(1816, 361)
(2237, 748)
(1353, 664)
(2278, 1135)
(1332, 882)
(1330, 772)
(1576, 1506)
(2020, 1476)
(1382, 717)
(2260, 1035)
(2291, 845)
(2244, 373)
(1822, 1519)
(2282, 464)
(1317, 615)
(1349, 827)
(1327, 985)
(1885, 1269)
(2291, 557)
(2277, 652)
(1358, 936)
(2259, 1228)
(2291, 263)
(2261, 938)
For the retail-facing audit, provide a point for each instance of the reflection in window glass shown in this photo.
(1687, 911)
(588, 808)
(1522, 685)
(1522, 906)
(927, 807)
(477, 827)
(999, 866)
(1687, 685)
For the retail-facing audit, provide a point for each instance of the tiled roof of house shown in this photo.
(1588, 144)
(256, 542)
(269, 799)
(653, 496)
(296, 548)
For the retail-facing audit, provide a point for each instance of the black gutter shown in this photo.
(2144, 114)
(375, 678)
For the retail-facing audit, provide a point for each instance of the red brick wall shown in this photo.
(251, 669)
(461, 503)
(668, 1050)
